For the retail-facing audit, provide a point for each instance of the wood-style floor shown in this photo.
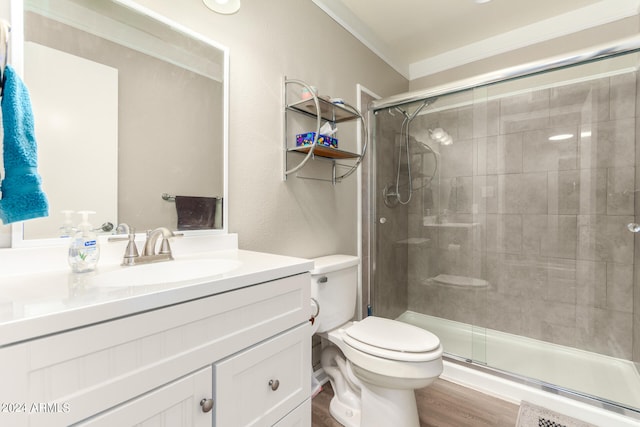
(442, 404)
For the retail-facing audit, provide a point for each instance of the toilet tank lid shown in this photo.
(331, 263)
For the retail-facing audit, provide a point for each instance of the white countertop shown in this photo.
(34, 304)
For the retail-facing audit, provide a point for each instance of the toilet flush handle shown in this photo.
(316, 305)
(314, 302)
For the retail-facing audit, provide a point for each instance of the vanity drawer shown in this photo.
(259, 386)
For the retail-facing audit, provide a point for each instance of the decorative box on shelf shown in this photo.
(306, 139)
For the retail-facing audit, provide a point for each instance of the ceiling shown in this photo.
(422, 37)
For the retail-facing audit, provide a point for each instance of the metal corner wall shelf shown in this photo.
(329, 111)
(318, 108)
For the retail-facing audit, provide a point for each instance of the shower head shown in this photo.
(440, 136)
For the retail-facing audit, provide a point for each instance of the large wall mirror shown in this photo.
(131, 118)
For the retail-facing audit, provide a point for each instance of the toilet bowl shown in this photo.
(374, 365)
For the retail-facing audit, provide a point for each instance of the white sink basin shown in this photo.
(165, 272)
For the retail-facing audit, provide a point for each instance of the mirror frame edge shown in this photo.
(17, 61)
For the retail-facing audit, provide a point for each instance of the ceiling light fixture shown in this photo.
(482, 1)
(226, 7)
(561, 137)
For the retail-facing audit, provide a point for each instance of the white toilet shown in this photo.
(374, 365)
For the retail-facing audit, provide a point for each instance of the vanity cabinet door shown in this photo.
(177, 404)
(299, 417)
(259, 386)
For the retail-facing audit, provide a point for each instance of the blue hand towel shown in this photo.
(22, 195)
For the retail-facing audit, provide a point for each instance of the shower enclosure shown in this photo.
(504, 222)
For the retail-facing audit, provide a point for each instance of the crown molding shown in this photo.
(594, 15)
(603, 12)
(350, 22)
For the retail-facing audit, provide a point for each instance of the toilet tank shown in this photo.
(334, 285)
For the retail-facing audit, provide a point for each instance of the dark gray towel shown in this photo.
(195, 213)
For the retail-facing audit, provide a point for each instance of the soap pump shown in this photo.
(84, 250)
(67, 229)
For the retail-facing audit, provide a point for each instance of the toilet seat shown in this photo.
(392, 340)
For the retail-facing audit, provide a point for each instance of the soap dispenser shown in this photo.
(67, 229)
(84, 250)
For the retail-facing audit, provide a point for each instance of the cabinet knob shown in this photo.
(206, 405)
(274, 384)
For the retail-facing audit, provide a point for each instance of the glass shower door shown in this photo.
(515, 247)
(429, 269)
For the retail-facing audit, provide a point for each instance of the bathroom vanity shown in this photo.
(218, 336)
(228, 349)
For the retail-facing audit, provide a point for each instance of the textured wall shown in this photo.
(267, 41)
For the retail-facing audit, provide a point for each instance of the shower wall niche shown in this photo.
(523, 229)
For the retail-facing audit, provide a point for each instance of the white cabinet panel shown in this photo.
(177, 405)
(259, 386)
(299, 417)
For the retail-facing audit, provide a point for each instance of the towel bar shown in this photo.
(169, 198)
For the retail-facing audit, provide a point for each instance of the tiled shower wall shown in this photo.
(543, 222)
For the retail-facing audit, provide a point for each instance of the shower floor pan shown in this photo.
(603, 377)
